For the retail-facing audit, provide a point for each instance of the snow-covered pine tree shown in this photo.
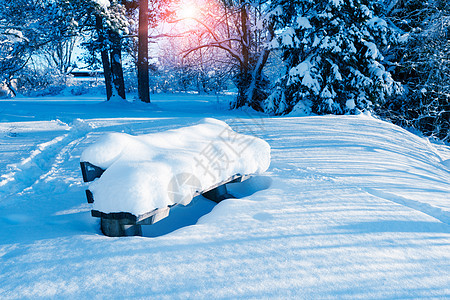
(332, 52)
(111, 24)
(423, 67)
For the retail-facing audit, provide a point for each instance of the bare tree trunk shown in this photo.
(10, 86)
(257, 74)
(227, 23)
(142, 63)
(244, 75)
(116, 64)
(105, 58)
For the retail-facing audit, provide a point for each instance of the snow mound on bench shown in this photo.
(157, 170)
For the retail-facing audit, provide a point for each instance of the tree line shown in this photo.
(390, 57)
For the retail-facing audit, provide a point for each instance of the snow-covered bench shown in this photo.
(135, 180)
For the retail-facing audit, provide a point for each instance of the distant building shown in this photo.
(87, 75)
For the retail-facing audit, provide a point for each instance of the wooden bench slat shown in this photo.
(128, 224)
(155, 216)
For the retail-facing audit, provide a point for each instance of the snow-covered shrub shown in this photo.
(332, 51)
(78, 88)
(34, 82)
(4, 91)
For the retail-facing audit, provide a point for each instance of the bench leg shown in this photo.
(115, 228)
(218, 194)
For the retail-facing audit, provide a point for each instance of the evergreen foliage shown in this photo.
(332, 52)
(423, 67)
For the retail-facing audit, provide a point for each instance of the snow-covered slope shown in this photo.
(350, 207)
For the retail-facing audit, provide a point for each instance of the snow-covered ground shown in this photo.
(350, 207)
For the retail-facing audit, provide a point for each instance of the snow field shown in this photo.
(350, 207)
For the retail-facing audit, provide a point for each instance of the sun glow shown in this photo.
(188, 10)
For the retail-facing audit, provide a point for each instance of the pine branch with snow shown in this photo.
(332, 51)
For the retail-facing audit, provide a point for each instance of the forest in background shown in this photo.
(280, 57)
